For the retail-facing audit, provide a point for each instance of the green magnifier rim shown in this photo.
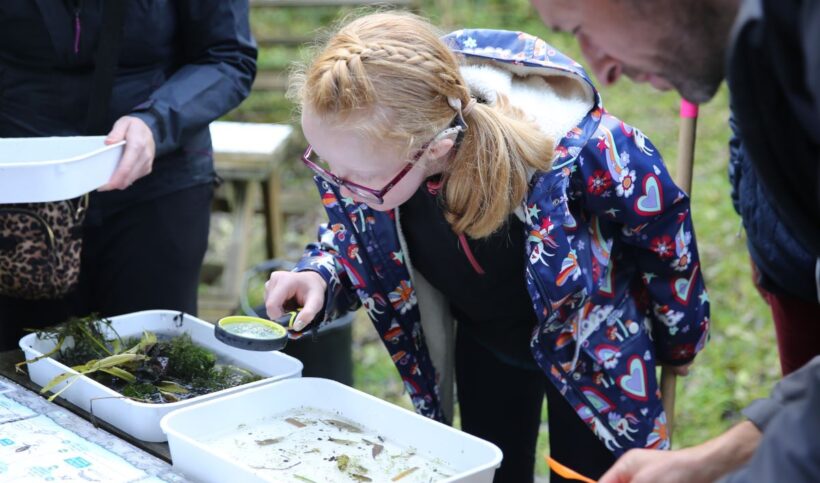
(277, 341)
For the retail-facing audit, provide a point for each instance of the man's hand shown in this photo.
(137, 158)
(705, 462)
(653, 466)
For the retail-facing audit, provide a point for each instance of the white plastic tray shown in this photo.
(188, 429)
(139, 419)
(54, 168)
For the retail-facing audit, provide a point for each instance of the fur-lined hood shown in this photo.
(543, 82)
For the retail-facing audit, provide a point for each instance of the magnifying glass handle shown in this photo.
(287, 319)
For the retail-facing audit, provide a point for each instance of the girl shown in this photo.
(477, 178)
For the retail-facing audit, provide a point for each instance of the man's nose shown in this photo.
(605, 68)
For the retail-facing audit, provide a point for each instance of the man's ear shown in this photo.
(440, 148)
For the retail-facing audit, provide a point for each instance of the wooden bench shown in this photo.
(248, 157)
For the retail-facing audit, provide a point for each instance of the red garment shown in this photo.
(797, 325)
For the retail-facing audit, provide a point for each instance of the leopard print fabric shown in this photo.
(40, 245)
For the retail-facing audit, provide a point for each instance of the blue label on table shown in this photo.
(78, 462)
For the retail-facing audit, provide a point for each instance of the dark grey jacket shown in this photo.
(784, 265)
(182, 64)
(790, 422)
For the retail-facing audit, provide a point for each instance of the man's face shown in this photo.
(655, 42)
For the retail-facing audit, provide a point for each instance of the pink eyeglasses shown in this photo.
(376, 196)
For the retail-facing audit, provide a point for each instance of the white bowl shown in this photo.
(189, 430)
(140, 419)
(54, 168)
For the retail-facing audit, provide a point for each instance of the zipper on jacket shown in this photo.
(78, 26)
(541, 288)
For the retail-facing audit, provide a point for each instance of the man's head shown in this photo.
(667, 43)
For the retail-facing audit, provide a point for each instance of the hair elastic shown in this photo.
(455, 103)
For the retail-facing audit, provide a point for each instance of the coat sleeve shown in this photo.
(628, 184)
(218, 68)
(789, 420)
(321, 257)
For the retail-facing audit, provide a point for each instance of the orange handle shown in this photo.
(565, 472)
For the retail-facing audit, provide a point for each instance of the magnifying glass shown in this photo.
(255, 333)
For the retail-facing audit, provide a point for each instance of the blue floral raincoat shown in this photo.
(612, 270)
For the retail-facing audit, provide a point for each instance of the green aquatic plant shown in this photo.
(147, 369)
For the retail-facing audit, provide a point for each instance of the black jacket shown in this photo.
(774, 79)
(182, 64)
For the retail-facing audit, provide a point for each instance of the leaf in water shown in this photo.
(169, 396)
(121, 373)
(148, 340)
(342, 461)
(296, 422)
(345, 442)
(404, 473)
(111, 361)
(343, 426)
(172, 387)
(269, 441)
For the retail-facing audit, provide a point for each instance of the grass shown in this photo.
(738, 365)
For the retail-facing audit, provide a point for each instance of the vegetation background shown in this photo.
(738, 365)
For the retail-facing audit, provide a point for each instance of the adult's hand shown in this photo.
(138, 157)
(705, 462)
(653, 466)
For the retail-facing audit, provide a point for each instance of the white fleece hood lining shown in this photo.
(556, 101)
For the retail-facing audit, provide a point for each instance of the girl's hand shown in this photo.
(289, 290)
(680, 370)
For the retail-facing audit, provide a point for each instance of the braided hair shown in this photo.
(389, 75)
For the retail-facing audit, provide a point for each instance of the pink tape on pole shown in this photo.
(688, 110)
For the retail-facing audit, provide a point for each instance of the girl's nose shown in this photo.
(349, 194)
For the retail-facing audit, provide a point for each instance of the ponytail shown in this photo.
(488, 178)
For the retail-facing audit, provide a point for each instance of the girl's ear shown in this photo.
(440, 148)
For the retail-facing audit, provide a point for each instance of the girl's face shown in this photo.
(354, 157)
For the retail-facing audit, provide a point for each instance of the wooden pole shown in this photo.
(684, 165)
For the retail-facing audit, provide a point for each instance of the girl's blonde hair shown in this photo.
(390, 74)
